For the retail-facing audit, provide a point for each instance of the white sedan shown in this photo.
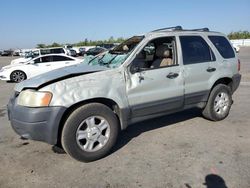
(36, 66)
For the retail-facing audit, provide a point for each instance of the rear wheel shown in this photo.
(219, 103)
(17, 76)
(90, 132)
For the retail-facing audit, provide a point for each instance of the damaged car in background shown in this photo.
(84, 107)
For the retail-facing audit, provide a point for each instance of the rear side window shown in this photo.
(46, 59)
(61, 58)
(195, 50)
(223, 46)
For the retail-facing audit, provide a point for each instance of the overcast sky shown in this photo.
(25, 23)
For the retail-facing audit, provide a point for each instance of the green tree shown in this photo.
(55, 45)
(111, 39)
(239, 35)
(86, 42)
(41, 46)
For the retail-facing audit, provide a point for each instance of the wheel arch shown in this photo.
(225, 80)
(121, 114)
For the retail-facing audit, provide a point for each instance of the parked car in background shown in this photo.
(7, 53)
(73, 53)
(236, 48)
(36, 66)
(1, 52)
(57, 50)
(37, 52)
(82, 51)
(107, 45)
(95, 51)
(16, 52)
(27, 56)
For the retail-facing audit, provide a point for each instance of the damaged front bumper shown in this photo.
(39, 124)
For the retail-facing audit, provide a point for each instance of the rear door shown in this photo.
(62, 61)
(196, 57)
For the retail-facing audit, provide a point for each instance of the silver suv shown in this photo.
(84, 107)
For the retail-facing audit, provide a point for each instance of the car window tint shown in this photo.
(195, 50)
(57, 51)
(38, 60)
(45, 51)
(61, 58)
(46, 59)
(223, 46)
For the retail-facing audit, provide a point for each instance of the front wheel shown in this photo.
(219, 103)
(17, 76)
(90, 132)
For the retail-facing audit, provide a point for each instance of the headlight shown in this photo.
(31, 98)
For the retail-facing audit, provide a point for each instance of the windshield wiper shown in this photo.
(95, 58)
(108, 63)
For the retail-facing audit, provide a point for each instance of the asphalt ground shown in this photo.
(179, 150)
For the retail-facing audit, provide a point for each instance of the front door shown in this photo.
(154, 87)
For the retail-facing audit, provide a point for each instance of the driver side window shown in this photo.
(38, 60)
(157, 53)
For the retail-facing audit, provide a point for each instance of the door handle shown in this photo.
(172, 75)
(67, 63)
(211, 69)
(48, 65)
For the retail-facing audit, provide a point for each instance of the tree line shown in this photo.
(239, 35)
(86, 42)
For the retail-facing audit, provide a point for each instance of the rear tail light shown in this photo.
(238, 65)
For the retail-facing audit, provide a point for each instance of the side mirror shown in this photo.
(134, 69)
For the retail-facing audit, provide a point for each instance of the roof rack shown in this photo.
(176, 28)
(200, 29)
(179, 28)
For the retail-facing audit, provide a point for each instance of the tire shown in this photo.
(17, 76)
(84, 136)
(219, 103)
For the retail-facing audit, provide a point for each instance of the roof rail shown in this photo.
(179, 28)
(176, 28)
(200, 29)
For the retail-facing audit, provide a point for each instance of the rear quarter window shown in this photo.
(223, 46)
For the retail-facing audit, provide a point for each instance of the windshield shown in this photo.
(28, 55)
(32, 54)
(114, 58)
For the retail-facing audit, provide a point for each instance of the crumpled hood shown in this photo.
(70, 71)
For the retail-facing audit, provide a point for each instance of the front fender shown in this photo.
(105, 84)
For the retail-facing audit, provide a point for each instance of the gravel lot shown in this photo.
(180, 150)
